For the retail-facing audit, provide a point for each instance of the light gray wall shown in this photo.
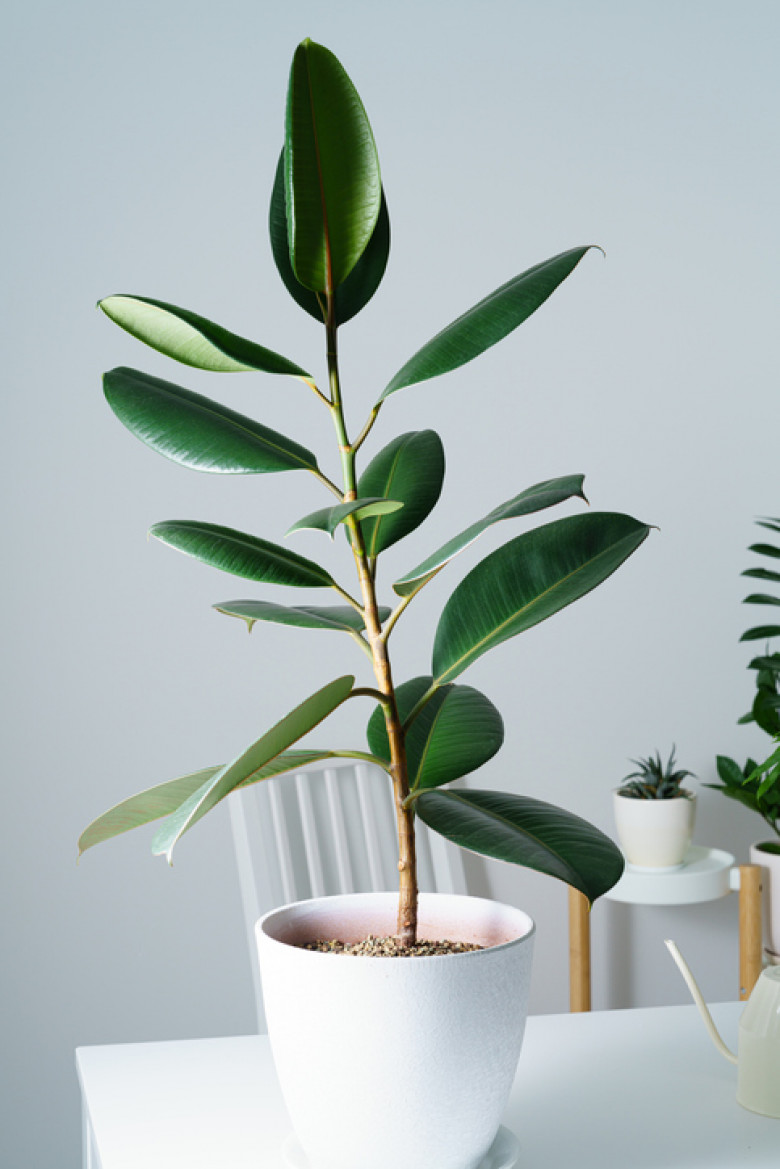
(140, 147)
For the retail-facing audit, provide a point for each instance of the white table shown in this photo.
(638, 1089)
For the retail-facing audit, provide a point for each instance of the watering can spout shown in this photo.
(698, 998)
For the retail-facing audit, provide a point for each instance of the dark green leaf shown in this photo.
(456, 731)
(761, 599)
(411, 469)
(765, 550)
(526, 832)
(341, 617)
(241, 554)
(197, 432)
(769, 522)
(329, 518)
(248, 766)
(741, 795)
(766, 711)
(729, 771)
(760, 633)
(487, 322)
(191, 339)
(362, 282)
(762, 574)
(770, 662)
(533, 499)
(333, 189)
(526, 581)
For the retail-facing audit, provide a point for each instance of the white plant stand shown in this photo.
(706, 875)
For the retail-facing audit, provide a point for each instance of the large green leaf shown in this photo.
(488, 322)
(526, 581)
(340, 617)
(533, 499)
(362, 282)
(327, 519)
(526, 832)
(241, 554)
(193, 430)
(165, 798)
(411, 469)
(333, 188)
(191, 339)
(247, 767)
(456, 731)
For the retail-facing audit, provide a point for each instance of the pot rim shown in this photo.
(684, 794)
(468, 955)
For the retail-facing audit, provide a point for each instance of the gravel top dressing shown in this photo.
(390, 947)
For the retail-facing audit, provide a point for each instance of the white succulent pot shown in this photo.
(389, 1062)
(770, 897)
(654, 834)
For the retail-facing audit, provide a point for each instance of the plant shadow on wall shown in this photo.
(330, 235)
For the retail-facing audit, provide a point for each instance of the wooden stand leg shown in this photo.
(579, 951)
(750, 950)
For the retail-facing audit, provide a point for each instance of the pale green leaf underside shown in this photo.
(191, 339)
(488, 322)
(528, 580)
(533, 499)
(248, 765)
(526, 832)
(339, 617)
(241, 554)
(327, 519)
(198, 432)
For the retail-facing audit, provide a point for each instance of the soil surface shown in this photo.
(390, 947)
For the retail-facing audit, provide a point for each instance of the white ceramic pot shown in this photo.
(770, 897)
(390, 1062)
(654, 834)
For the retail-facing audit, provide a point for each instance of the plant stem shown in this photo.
(407, 857)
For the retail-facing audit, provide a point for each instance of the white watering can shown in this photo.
(758, 1062)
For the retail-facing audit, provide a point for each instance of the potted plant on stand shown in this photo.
(757, 786)
(654, 814)
(433, 1040)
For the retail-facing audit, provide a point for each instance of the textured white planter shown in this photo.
(396, 1062)
(770, 898)
(654, 834)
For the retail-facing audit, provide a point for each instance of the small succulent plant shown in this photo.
(655, 781)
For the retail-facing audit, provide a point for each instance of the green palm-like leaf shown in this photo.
(488, 322)
(411, 469)
(533, 499)
(527, 580)
(196, 432)
(241, 554)
(333, 188)
(329, 518)
(248, 766)
(159, 801)
(456, 731)
(339, 617)
(526, 832)
(362, 282)
(191, 339)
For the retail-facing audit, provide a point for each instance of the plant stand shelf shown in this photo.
(706, 875)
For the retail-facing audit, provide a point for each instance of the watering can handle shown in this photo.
(698, 998)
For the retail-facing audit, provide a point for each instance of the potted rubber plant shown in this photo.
(757, 786)
(446, 1049)
(654, 813)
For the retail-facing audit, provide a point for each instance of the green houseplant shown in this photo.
(654, 814)
(329, 228)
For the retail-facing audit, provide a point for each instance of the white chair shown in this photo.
(329, 829)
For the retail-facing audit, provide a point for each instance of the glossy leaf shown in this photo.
(760, 633)
(362, 282)
(329, 518)
(527, 580)
(248, 766)
(333, 188)
(488, 322)
(197, 432)
(456, 731)
(533, 499)
(411, 469)
(191, 339)
(340, 617)
(241, 554)
(526, 832)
